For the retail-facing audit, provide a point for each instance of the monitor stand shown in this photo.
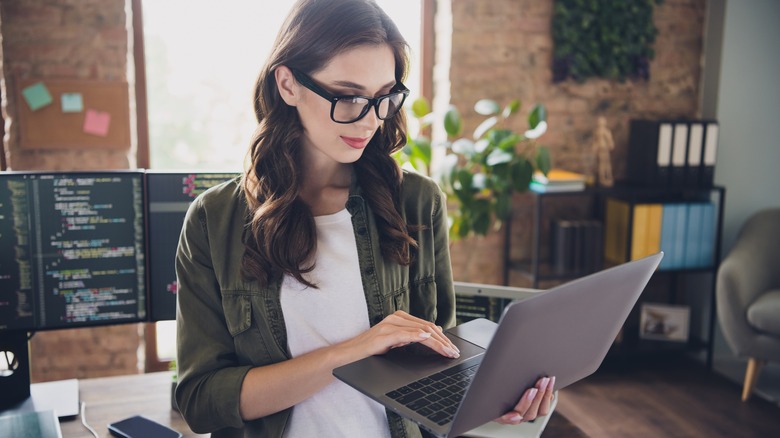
(19, 395)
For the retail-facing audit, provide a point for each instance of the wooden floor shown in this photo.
(669, 398)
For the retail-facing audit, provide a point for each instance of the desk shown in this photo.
(112, 399)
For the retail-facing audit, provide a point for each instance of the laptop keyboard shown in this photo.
(436, 397)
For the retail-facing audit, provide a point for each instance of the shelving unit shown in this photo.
(539, 268)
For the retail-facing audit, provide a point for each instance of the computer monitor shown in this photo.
(476, 300)
(72, 254)
(169, 196)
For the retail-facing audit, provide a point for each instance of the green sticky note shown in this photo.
(37, 96)
(72, 102)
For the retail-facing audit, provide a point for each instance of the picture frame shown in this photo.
(664, 322)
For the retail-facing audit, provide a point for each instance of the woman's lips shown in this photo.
(355, 142)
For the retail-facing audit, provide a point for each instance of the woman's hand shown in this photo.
(535, 401)
(401, 329)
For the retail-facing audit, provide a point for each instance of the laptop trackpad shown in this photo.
(418, 357)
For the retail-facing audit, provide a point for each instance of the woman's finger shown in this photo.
(438, 341)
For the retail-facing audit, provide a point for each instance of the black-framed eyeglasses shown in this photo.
(350, 109)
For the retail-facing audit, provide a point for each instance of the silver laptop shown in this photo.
(565, 332)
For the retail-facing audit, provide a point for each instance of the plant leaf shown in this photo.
(479, 182)
(498, 156)
(522, 172)
(481, 146)
(538, 114)
(452, 122)
(481, 217)
(484, 127)
(464, 147)
(447, 171)
(508, 143)
(422, 150)
(420, 107)
(487, 107)
(511, 108)
(537, 132)
(543, 160)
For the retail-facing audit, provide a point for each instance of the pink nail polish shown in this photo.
(544, 383)
(532, 393)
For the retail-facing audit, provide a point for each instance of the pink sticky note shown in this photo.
(96, 122)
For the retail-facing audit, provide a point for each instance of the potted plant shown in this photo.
(479, 173)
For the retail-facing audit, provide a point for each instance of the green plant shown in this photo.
(479, 174)
(605, 38)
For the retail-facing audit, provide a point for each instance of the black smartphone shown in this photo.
(141, 427)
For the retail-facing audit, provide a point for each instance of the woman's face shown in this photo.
(363, 71)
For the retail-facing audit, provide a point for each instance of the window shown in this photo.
(201, 64)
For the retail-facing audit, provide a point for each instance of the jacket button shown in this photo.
(369, 271)
(362, 231)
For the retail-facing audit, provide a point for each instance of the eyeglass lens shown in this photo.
(353, 108)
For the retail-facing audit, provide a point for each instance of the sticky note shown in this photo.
(97, 122)
(72, 102)
(37, 96)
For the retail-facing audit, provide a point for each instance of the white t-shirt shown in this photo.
(317, 318)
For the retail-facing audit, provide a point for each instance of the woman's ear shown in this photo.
(287, 86)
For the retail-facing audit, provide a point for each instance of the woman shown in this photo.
(323, 253)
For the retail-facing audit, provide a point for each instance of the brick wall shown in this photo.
(502, 49)
(68, 39)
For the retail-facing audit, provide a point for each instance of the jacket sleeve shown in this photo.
(209, 377)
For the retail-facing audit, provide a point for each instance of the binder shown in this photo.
(710, 154)
(668, 235)
(663, 155)
(649, 152)
(679, 155)
(707, 251)
(695, 150)
(693, 236)
(678, 250)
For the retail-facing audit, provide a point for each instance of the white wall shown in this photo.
(741, 89)
(748, 109)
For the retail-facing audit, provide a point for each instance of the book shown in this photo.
(616, 231)
(557, 180)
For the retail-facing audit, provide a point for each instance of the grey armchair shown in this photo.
(748, 294)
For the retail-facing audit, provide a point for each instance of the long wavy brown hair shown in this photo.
(281, 235)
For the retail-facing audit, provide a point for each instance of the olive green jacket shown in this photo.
(227, 325)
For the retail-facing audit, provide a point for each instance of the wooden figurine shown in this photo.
(602, 147)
